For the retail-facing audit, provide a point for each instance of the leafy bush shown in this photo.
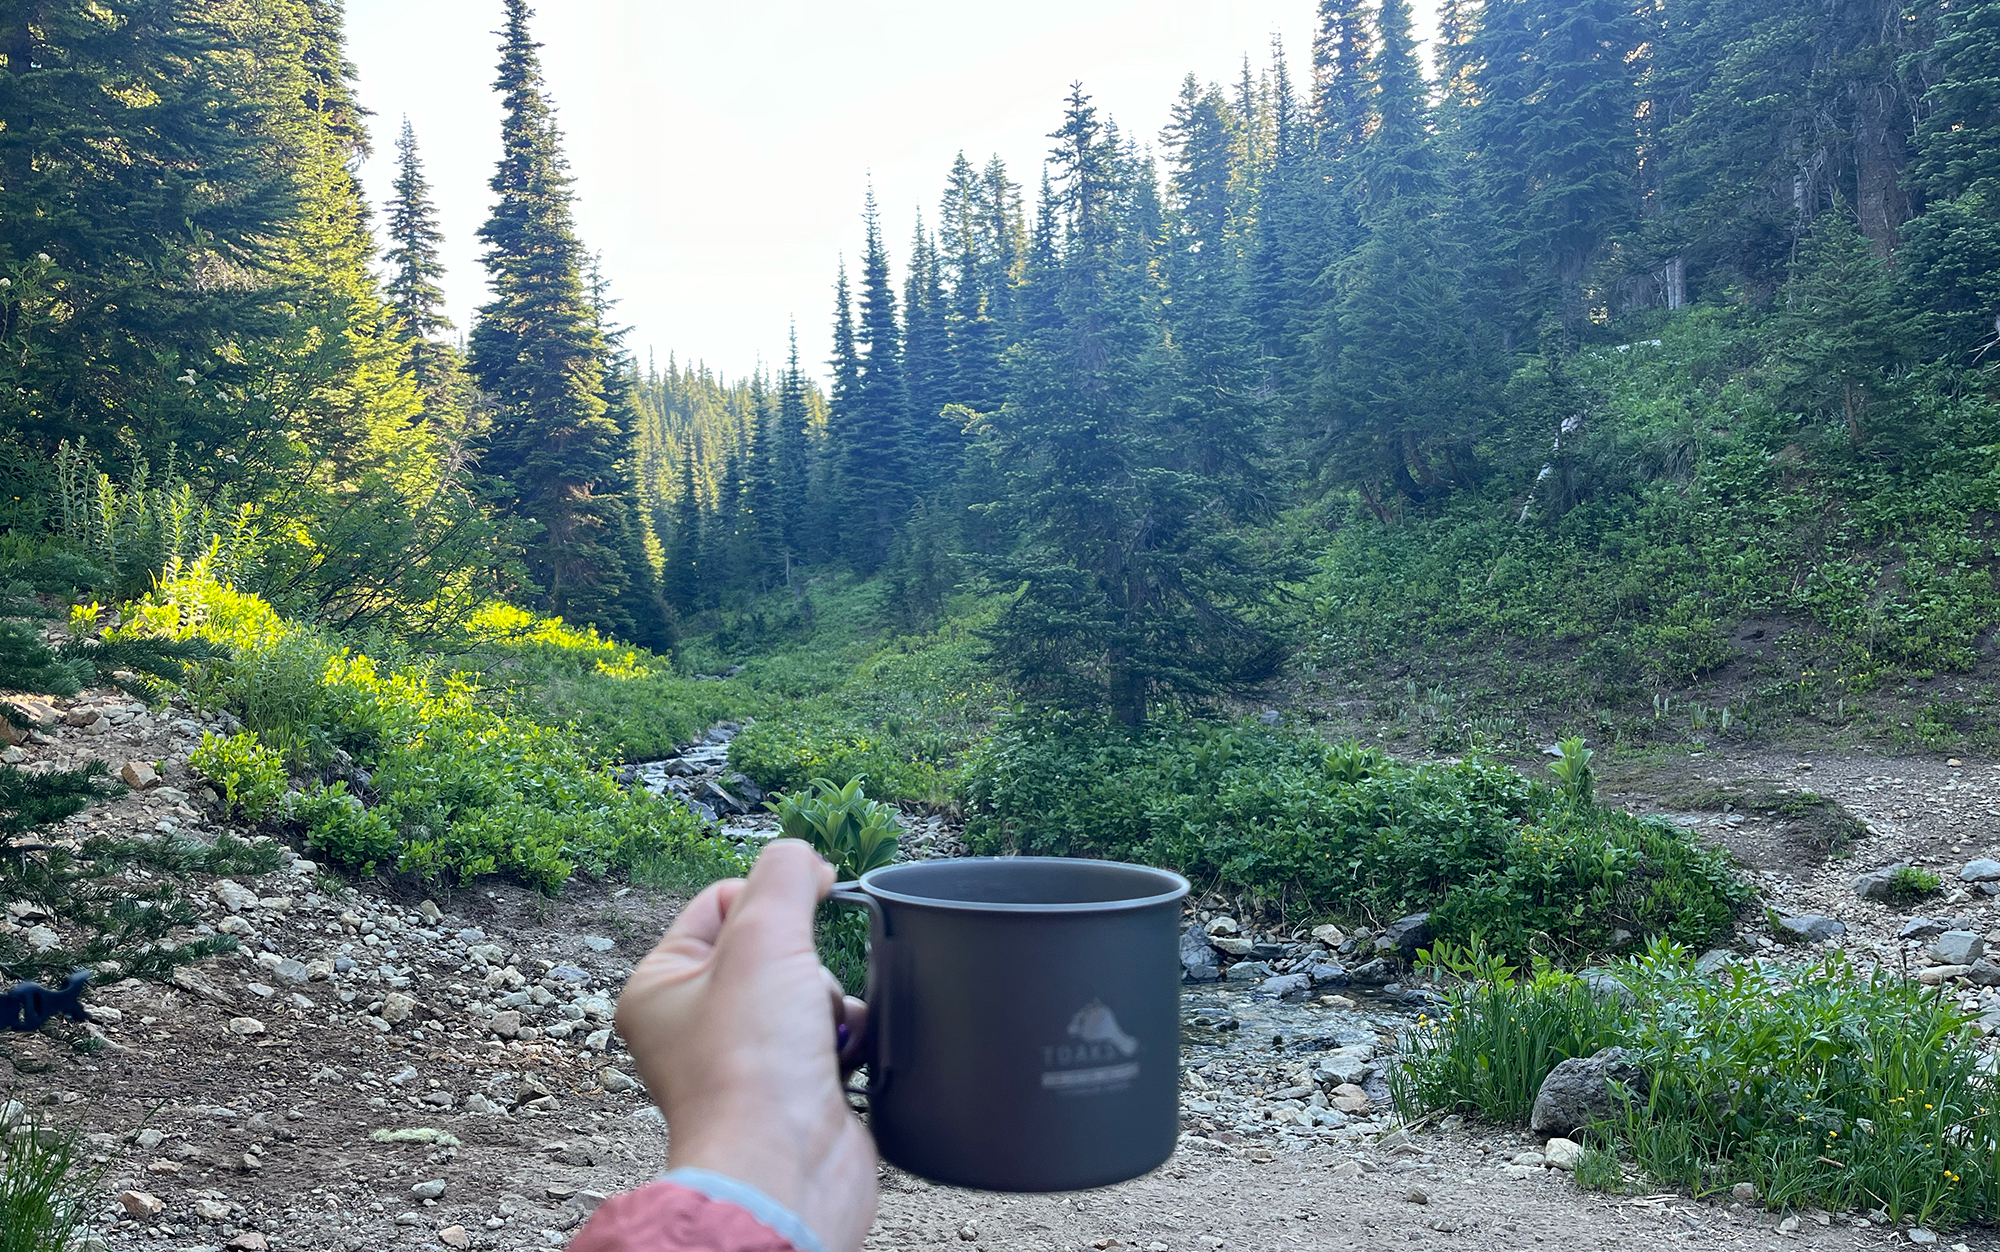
(843, 825)
(1322, 828)
(1912, 882)
(1598, 1169)
(252, 777)
(459, 783)
(1818, 1084)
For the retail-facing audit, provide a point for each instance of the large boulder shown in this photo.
(1958, 947)
(1578, 1091)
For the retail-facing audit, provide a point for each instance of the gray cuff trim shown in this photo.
(752, 1201)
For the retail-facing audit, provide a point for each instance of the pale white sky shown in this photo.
(721, 150)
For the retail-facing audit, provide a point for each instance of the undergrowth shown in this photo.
(1820, 1085)
(1307, 827)
(47, 1188)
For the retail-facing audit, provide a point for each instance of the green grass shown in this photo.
(47, 1189)
(1692, 502)
(1819, 1085)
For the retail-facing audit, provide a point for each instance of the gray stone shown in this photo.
(477, 1103)
(598, 1040)
(1985, 869)
(1234, 945)
(396, 1008)
(1198, 960)
(1714, 960)
(292, 971)
(1606, 986)
(1578, 1091)
(471, 935)
(615, 1081)
(568, 973)
(1809, 928)
(1879, 884)
(506, 1025)
(234, 896)
(1406, 936)
(1921, 928)
(1248, 971)
(429, 1190)
(1984, 973)
(598, 943)
(1374, 973)
(343, 965)
(1328, 974)
(1287, 984)
(1958, 947)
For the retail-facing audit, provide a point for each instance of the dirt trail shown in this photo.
(274, 1136)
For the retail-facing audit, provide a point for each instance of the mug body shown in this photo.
(1026, 1020)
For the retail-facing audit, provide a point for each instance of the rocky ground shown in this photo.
(379, 1070)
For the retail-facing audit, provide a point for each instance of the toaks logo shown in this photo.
(1098, 1056)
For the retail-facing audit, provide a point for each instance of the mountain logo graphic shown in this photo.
(1094, 1023)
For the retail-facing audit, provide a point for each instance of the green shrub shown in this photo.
(855, 834)
(1328, 828)
(1598, 1169)
(1912, 882)
(252, 777)
(1818, 1084)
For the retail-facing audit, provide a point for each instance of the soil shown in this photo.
(270, 1138)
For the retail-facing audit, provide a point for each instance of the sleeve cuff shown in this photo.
(768, 1212)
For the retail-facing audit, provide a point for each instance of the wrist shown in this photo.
(726, 1188)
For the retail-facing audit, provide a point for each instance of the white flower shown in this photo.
(43, 257)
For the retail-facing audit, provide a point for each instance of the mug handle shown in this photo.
(873, 1047)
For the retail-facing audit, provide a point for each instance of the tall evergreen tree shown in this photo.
(538, 354)
(1340, 78)
(791, 449)
(1951, 254)
(876, 451)
(414, 267)
(844, 428)
(935, 440)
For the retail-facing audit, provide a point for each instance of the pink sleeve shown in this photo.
(666, 1217)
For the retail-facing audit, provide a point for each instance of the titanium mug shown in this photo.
(1023, 1019)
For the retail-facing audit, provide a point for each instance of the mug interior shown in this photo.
(1037, 883)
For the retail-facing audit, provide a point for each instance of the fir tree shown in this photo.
(876, 450)
(1950, 257)
(682, 576)
(791, 449)
(537, 352)
(935, 441)
(414, 267)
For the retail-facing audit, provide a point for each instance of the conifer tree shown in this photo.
(682, 576)
(414, 267)
(934, 440)
(1950, 259)
(836, 520)
(538, 353)
(876, 451)
(1340, 84)
(792, 451)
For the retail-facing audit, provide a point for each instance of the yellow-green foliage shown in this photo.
(457, 785)
(252, 777)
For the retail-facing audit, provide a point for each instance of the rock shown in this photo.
(1919, 1234)
(1809, 928)
(1223, 925)
(245, 1026)
(471, 935)
(454, 1237)
(595, 1006)
(1985, 869)
(292, 971)
(211, 1210)
(750, 791)
(141, 1205)
(1921, 928)
(615, 1081)
(506, 1025)
(1287, 984)
(396, 1008)
(430, 912)
(1605, 986)
(319, 971)
(1578, 1092)
(1562, 1153)
(430, 1190)
(598, 1040)
(234, 897)
(1406, 936)
(439, 1099)
(1958, 947)
(477, 1103)
(42, 939)
(1373, 973)
(1198, 963)
(1346, 1170)
(598, 943)
(1328, 974)
(1745, 1193)
(248, 1241)
(139, 775)
(1714, 961)
(1880, 884)
(1234, 945)
(1248, 971)
(11, 755)
(1416, 1195)
(1936, 975)
(148, 1139)
(1984, 973)
(1330, 935)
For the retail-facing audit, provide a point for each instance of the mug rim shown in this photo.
(1178, 887)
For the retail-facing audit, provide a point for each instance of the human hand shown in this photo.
(731, 1019)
